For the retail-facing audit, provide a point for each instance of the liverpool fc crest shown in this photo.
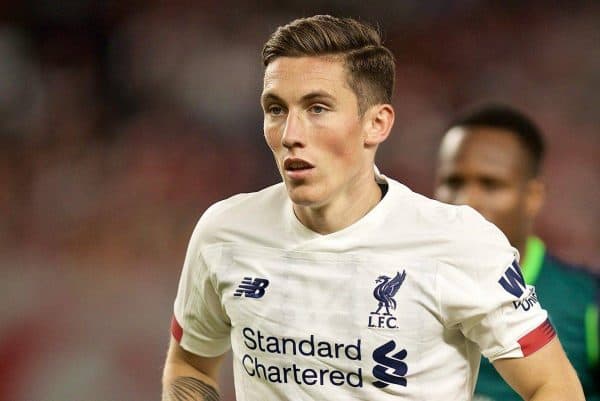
(384, 293)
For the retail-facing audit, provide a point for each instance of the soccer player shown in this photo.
(491, 159)
(340, 283)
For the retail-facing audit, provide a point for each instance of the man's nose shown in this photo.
(293, 131)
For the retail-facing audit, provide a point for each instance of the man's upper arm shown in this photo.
(190, 377)
(545, 375)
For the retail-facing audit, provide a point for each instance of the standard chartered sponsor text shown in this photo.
(288, 370)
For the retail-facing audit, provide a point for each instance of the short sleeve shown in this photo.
(199, 323)
(483, 293)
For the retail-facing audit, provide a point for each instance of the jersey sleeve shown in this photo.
(199, 323)
(483, 293)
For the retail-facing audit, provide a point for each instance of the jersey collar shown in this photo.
(535, 251)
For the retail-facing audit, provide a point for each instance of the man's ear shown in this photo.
(378, 122)
(536, 195)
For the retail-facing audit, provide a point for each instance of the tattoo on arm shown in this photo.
(191, 389)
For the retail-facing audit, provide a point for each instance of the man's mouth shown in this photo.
(295, 164)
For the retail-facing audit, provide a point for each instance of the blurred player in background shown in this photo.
(491, 159)
(340, 283)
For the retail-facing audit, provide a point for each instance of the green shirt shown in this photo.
(569, 294)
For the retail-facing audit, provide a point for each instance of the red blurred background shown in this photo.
(122, 121)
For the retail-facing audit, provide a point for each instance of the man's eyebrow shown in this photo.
(270, 97)
(306, 98)
(317, 95)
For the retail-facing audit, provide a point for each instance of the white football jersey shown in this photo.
(398, 306)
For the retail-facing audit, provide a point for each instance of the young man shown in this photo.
(490, 159)
(340, 283)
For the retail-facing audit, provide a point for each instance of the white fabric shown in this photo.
(320, 299)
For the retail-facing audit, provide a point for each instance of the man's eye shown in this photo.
(317, 109)
(491, 184)
(275, 110)
(453, 182)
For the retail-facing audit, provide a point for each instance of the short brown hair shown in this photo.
(370, 65)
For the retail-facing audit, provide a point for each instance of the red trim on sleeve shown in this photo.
(537, 338)
(176, 329)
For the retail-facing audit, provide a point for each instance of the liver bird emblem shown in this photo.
(385, 291)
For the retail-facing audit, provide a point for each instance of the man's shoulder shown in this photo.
(454, 222)
(240, 213)
(456, 235)
(246, 203)
(475, 242)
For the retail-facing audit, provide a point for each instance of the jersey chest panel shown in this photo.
(331, 320)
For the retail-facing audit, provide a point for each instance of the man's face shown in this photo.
(486, 168)
(312, 125)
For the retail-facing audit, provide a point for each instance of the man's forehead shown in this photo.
(460, 140)
(451, 142)
(486, 148)
(282, 71)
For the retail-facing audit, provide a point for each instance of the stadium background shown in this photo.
(122, 121)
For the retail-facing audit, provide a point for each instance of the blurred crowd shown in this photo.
(121, 123)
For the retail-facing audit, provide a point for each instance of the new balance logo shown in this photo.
(513, 280)
(389, 369)
(252, 288)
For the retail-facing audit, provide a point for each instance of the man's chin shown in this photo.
(303, 201)
(303, 197)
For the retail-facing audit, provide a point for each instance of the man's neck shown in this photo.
(343, 212)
